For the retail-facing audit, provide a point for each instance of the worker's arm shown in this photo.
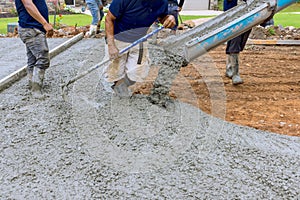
(109, 31)
(34, 12)
(168, 21)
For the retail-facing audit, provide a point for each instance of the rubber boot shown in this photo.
(229, 67)
(128, 81)
(121, 87)
(29, 77)
(92, 31)
(37, 82)
(236, 79)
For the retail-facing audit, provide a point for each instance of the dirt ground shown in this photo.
(268, 100)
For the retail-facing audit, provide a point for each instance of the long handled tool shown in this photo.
(79, 76)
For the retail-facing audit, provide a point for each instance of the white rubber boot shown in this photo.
(92, 31)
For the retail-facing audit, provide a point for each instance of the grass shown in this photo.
(292, 8)
(4, 22)
(284, 18)
(72, 20)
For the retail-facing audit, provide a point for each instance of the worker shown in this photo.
(96, 9)
(233, 49)
(33, 29)
(126, 22)
(173, 9)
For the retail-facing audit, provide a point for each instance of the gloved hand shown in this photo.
(49, 29)
(169, 21)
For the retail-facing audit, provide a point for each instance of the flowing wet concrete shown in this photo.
(99, 146)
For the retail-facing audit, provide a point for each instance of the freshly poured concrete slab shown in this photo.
(99, 146)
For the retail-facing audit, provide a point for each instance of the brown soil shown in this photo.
(268, 100)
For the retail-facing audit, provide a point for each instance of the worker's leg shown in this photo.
(244, 38)
(173, 10)
(30, 66)
(94, 9)
(36, 44)
(233, 49)
(114, 72)
(137, 68)
(101, 15)
(138, 63)
(236, 79)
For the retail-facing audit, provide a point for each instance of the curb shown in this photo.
(7, 81)
(274, 42)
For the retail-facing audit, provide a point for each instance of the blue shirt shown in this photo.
(134, 17)
(25, 19)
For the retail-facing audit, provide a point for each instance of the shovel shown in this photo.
(64, 86)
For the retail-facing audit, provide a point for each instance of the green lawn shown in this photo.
(284, 18)
(292, 8)
(72, 20)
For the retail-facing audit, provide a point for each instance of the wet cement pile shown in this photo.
(97, 145)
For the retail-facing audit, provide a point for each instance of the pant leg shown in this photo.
(94, 9)
(138, 66)
(31, 60)
(101, 13)
(37, 47)
(237, 44)
(115, 70)
(245, 37)
(173, 10)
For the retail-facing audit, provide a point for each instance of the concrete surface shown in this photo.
(13, 54)
(99, 146)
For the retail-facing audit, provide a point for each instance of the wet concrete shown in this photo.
(99, 146)
(13, 54)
